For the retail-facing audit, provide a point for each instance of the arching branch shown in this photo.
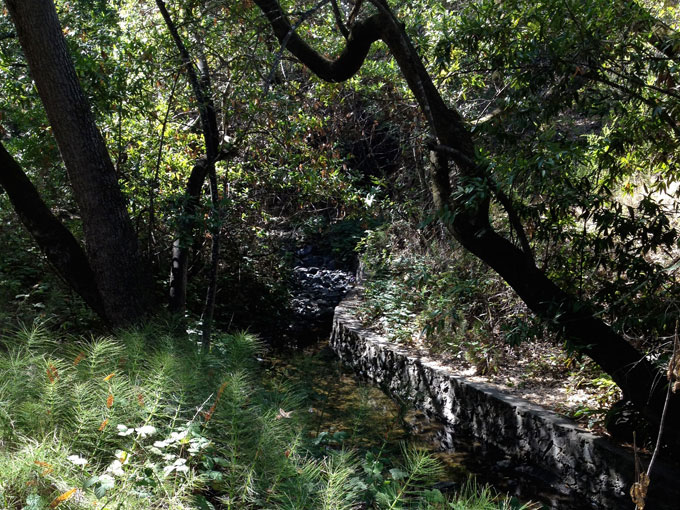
(363, 34)
(446, 124)
(470, 224)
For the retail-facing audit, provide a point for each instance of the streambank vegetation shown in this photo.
(143, 420)
(507, 171)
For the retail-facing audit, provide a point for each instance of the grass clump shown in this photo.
(148, 421)
(473, 496)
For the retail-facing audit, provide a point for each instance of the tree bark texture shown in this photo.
(61, 249)
(110, 239)
(468, 215)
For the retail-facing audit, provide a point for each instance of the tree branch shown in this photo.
(201, 85)
(206, 108)
(362, 36)
(286, 39)
(338, 19)
(515, 222)
(61, 249)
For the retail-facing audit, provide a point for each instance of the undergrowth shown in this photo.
(146, 420)
(420, 290)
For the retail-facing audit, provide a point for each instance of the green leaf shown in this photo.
(202, 503)
(90, 482)
(340, 436)
(398, 474)
(434, 496)
(106, 482)
(34, 502)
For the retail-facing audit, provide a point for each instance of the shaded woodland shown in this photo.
(495, 172)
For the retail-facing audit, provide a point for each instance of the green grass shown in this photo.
(148, 421)
(473, 496)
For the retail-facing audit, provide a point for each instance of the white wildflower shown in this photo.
(77, 460)
(146, 431)
(116, 468)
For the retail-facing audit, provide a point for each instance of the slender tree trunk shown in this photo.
(201, 87)
(185, 234)
(155, 181)
(61, 249)
(209, 309)
(109, 235)
(211, 145)
(453, 161)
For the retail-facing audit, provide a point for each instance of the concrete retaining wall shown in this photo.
(579, 463)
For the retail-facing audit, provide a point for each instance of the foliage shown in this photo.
(29, 289)
(475, 497)
(573, 91)
(125, 423)
(286, 162)
(592, 411)
(573, 108)
(147, 421)
(419, 291)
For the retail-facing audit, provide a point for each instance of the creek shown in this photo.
(346, 411)
(341, 404)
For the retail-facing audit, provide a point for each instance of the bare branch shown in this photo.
(338, 19)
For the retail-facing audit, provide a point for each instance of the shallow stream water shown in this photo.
(339, 401)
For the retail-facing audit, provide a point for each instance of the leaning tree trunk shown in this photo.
(61, 249)
(453, 160)
(109, 236)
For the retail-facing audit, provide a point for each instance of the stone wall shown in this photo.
(576, 462)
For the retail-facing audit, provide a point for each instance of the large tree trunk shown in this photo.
(639, 380)
(62, 250)
(109, 236)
